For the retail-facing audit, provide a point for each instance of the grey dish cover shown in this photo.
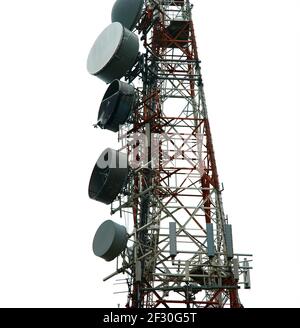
(127, 12)
(109, 176)
(114, 53)
(110, 240)
(116, 105)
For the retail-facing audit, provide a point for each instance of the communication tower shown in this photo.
(177, 247)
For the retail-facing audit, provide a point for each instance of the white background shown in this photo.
(250, 59)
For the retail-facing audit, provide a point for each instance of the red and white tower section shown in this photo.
(175, 248)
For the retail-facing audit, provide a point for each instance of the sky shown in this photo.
(250, 63)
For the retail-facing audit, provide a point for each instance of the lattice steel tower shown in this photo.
(176, 249)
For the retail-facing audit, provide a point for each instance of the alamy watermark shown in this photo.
(158, 151)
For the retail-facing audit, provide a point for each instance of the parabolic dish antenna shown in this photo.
(116, 106)
(109, 176)
(110, 240)
(114, 53)
(127, 12)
